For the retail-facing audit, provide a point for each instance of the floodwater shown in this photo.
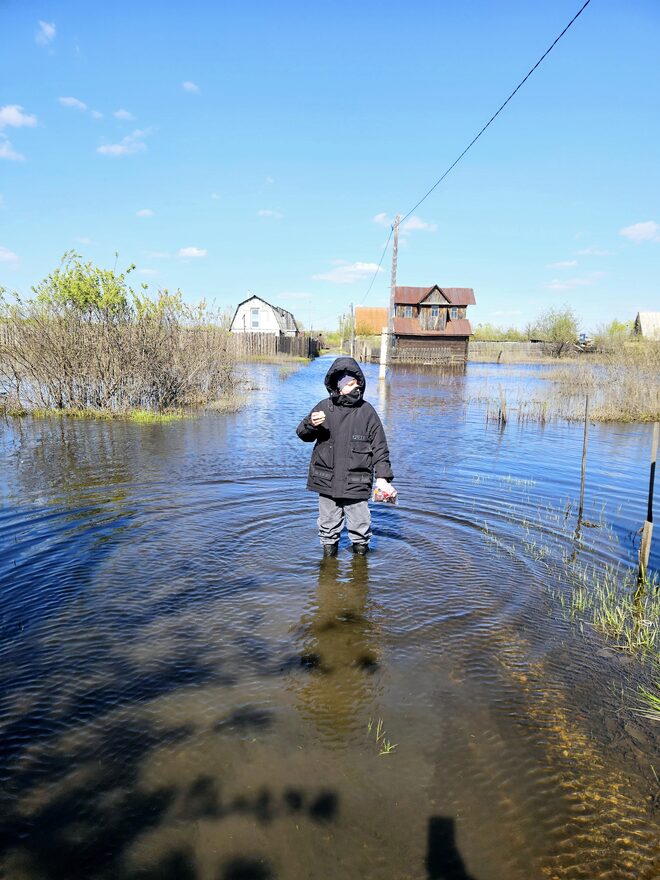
(187, 691)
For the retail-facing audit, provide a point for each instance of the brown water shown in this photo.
(188, 692)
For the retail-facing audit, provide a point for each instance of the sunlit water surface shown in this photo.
(188, 692)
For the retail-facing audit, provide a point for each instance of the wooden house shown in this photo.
(255, 315)
(370, 320)
(430, 324)
(647, 325)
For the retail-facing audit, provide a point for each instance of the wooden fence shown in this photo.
(267, 345)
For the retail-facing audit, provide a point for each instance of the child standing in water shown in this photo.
(350, 445)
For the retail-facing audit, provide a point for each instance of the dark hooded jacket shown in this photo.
(350, 445)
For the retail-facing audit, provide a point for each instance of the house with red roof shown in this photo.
(430, 324)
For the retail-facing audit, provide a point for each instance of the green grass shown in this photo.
(275, 359)
(141, 416)
(385, 746)
(613, 603)
(650, 706)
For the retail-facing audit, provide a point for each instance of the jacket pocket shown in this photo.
(323, 455)
(360, 457)
(322, 476)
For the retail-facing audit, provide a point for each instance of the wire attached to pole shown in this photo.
(476, 138)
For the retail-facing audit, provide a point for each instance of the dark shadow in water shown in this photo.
(41, 722)
(443, 860)
(247, 869)
(203, 800)
(244, 719)
(338, 651)
(176, 865)
(87, 829)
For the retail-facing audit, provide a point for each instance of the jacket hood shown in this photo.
(339, 367)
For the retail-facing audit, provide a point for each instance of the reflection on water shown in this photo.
(186, 688)
(339, 652)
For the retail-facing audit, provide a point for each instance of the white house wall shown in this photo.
(242, 322)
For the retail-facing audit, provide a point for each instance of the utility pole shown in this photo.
(395, 254)
(387, 336)
(352, 331)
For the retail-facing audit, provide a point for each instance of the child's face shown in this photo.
(349, 386)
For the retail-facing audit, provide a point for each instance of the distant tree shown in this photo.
(614, 334)
(489, 332)
(86, 289)
(558, 327)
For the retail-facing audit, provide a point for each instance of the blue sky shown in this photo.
(263, 147)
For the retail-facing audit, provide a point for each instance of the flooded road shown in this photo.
(188, 691)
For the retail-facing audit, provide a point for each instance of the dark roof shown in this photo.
(413, 296)
(411, 327)
(284, 319)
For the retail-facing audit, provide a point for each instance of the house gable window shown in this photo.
(453, 313)
(254, 317)
(435, 311)
(407, 312)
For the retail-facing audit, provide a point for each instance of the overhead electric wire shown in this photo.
(382, 257)
(477, 136)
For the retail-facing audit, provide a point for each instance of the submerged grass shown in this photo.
(385, 746)
(616, 605)
(650, 705)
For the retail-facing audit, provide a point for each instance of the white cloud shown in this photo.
(8, 152)
(82, 239)
(413, 224)
(572, 283)
(270, 181)
(96, 115)
(638, 232)
(192, 252)
(7, 256)
(562, 264)
(349, 273)
(265, 212)
(72, 102)
(594, 252)
(189, 86)
(416, 224)
(12, 114)
(123, 114)
(147, 272)
(45, 33)
(144, 212)
(215, 196)
(132, 143)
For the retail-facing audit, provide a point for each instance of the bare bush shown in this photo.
(623, 382)
(87, 340)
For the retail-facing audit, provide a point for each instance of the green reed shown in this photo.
(385, 746)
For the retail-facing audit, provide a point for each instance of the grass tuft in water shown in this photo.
(650, 707)
(618, 607)
(141, 416)
(385, 746)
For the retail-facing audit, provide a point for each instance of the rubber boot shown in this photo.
(360, 549)
(330, 549)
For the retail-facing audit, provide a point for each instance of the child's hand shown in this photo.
(318, 417)
(385, 487)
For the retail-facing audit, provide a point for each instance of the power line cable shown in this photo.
(477, 136)
(380, 262)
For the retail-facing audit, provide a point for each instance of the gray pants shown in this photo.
(332, 514)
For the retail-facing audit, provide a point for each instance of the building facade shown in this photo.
(255, 315)
(431, 325)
